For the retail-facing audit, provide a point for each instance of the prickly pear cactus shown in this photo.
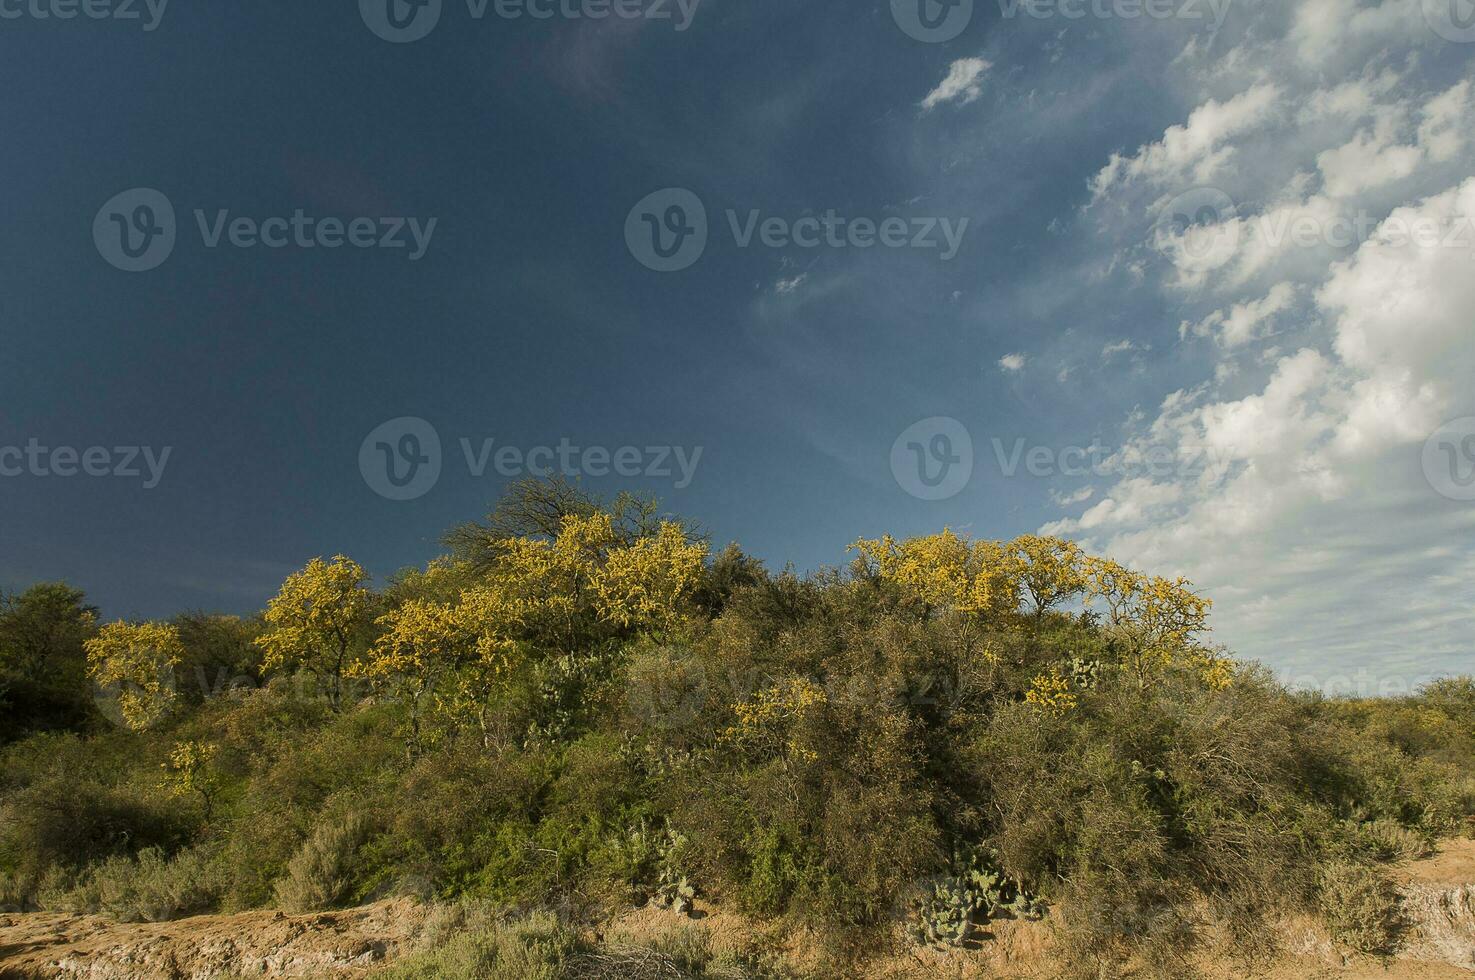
(974, 891)
(678, 895)
(1084, 674)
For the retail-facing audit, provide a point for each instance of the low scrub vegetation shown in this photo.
(580, 708)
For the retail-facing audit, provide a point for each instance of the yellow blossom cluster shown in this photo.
(314, 620)
(770, 719)
(945, 570)
(558, 594)
(1051, 693)
(134, 662)
(1152, 622)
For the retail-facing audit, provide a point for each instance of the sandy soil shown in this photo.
(262, 944)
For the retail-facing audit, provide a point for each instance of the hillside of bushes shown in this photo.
(582, 707)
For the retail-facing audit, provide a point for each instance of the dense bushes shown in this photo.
(147, 887)
(1361, 907)
(589, 717)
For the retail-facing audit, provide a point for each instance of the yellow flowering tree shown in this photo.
(945, 571)
(134, 664)
(590, 580)
(448, 653)
(191, 771)
(1051, 570)
(459, 630)
(1152, 621)
(317, 620)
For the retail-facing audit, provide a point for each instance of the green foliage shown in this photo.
(651, 863)
(43, 684)
(320, 874)
(536, 948)
(146, 887)
(1361, 907)
(65, 821)
(220, 656)
(804, 748)
(470, 943)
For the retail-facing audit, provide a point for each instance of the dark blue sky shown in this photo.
(528, 320)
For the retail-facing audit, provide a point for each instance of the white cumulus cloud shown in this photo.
(963, 84)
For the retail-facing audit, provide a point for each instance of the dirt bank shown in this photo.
(258, 944)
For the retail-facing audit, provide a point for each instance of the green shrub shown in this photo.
(1361, 907)
(70, 821)
(473, 943)
(1388, 840)
(802, 747)
(17, 891)
(147, 887)
(775, 872)
(321, 873)
(536, 948)
(973, 891)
